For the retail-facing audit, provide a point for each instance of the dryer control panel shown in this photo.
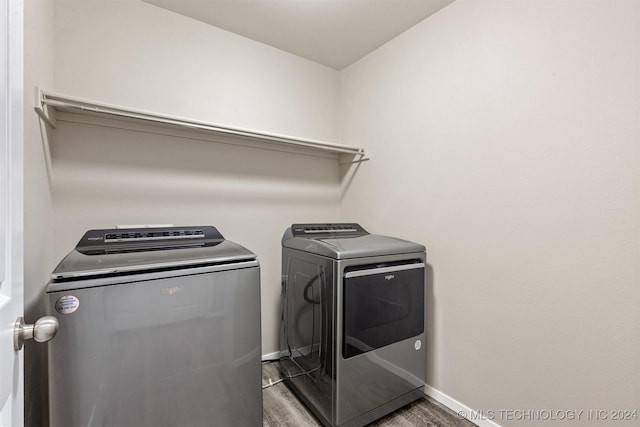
(324, 230)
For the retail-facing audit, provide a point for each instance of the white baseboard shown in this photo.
(276, 355)
(459, 408)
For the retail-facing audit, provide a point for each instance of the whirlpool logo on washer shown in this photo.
(172, 291)
(389, 277)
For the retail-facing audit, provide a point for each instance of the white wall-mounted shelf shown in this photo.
(49, 105)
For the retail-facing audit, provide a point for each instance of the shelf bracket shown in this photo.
(42, 110)
(361, 159)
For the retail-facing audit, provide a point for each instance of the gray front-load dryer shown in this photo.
(158, 327)
(353, 321)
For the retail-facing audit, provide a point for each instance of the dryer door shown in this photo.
(383, 304)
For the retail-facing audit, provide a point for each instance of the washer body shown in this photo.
(353, 321)
(156, 329)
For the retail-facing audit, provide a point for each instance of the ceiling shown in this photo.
(335, 33)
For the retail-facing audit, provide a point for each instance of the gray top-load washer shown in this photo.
(158, 327)
(353, 321)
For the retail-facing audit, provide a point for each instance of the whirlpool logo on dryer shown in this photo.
(389, 277)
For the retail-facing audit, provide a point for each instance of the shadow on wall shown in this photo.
(141, 164)
(430, 326)
(37, 251)
(348, 171)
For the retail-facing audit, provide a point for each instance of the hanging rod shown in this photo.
(83, 106)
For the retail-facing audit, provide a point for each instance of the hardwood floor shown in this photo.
(281, 408)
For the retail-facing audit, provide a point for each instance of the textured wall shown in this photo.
(504, 136)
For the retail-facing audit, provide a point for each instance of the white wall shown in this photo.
(38, 210)
(504, 135)
(141, 56)
(138, 55)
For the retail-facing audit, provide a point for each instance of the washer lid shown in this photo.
(111, 251)
(358, 245)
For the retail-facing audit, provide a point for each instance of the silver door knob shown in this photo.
(43, 330)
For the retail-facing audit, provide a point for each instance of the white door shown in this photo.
(11, 231)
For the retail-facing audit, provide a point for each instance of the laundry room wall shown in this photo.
(504, 136)
(138, 55)
(38, 208)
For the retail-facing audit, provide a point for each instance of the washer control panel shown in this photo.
(138, 235)
(103, 241)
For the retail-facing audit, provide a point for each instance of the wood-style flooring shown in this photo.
(281, 408)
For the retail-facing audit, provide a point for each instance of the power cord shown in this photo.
(286, 377)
